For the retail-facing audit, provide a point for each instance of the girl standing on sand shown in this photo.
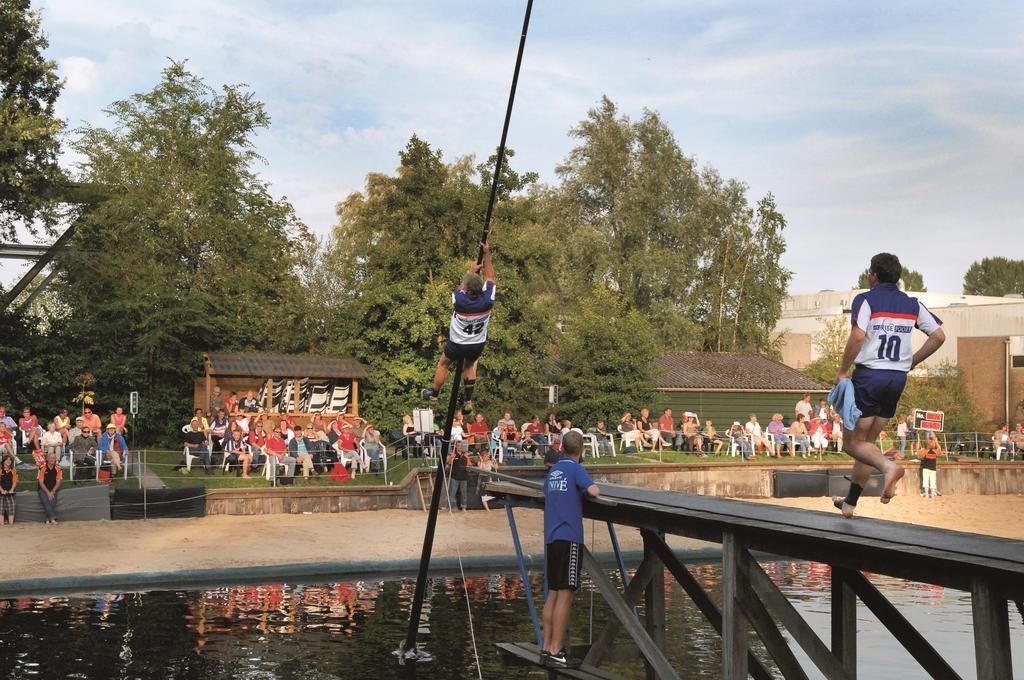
(8, 486)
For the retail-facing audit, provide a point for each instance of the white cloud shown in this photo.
(80, 74)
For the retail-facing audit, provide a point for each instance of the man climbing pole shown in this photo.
(467, 333)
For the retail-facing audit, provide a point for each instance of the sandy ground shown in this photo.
(31, 550)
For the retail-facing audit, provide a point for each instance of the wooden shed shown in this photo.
(297, 384)
(728, 386)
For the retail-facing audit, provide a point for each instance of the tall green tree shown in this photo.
(995, 276)
(29, 128)
(605, 359)
(402, 246)
(682, 245)
(829, 342)
(943, 389)
(911, 280)
(189, 253)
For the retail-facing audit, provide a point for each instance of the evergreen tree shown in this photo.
(29, 129)
(910, 280)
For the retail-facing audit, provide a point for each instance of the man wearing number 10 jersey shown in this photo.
(467, 333)
(883, 321)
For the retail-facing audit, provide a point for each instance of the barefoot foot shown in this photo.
(892, 476)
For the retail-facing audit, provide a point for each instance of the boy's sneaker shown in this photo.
(428, 395)
(938, 493)
(561, 660)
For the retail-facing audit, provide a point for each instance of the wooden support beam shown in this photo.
(634, 590)
(769, 634)
(991, 632)
(902, 630)
(654, 603)
(735, 625)
(802, 633)
(844, 624)
(704, 603)
(624, 613)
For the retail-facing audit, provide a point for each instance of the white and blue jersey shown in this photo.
(471, 317)
(564, 487)
(888, 317)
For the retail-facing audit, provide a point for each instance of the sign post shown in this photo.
(133, 408)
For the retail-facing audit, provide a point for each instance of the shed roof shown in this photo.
(729, 371)
(264, 365)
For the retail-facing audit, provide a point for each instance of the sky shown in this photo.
(877, 125)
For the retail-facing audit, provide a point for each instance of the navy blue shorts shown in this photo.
(877, 391)
(470, 353)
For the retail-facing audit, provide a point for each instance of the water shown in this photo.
(348, 630)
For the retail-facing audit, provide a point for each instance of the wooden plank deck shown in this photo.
(529, 653)
(928, 555)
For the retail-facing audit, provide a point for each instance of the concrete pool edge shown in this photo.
(306, 571)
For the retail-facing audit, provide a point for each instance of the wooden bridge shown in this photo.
(991, 569)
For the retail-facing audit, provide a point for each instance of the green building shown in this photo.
(729, 386)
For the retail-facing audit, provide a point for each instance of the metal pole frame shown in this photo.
(524, 574)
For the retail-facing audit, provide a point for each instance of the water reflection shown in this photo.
(348, 630)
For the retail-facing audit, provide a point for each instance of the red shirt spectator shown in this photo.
(347, 440)
(666, 423)
(276, 446)
(258, 437)
(479, 431)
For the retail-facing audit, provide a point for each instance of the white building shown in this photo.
(961, 315)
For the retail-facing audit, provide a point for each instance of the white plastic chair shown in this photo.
(590, 442)
(364, 457)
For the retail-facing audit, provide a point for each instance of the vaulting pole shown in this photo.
(408, 650)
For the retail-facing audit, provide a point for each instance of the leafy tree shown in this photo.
(995, 276)
(681, 245)
(830, 342)
(29, 128)
(605, 359)
(943, 389)
(189, 253)
(911, 280)
(403, 244)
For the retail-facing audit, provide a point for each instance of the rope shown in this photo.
(462, 571)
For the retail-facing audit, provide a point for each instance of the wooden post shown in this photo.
(295, 396)
(268, 404)
(734, 622)
(355, 397)
(654, 604)
(844, 624)
(209, 385)
(991, 632)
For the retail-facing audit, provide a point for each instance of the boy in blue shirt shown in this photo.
(882, 323)
(564, 487)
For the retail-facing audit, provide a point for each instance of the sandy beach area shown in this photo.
(126, 547)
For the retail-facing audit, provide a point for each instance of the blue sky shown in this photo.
(891, 126)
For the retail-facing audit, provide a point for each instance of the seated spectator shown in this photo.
(887, 447)
(690, 437)
(510, 436)
(74, 431)
(478, 433)
(63, 423)
(83, 449)
(756, 435)
(667, 429)
(249, 403)
(821, 434)
(50, 476)
(236, 454)
(91, 420)
(257, 442)
(7, 445)
(8, 489)
(552, 428)
(824, 413)
(316, 422)
(738, 436)
(837, 432)
(798, 433)
(710, 437)
(371, 443)
(458, 433)
(196, 445)
(649, 433)
(218, 431)
(7, 420)
(239, 421)
(604, 439)
(112, 447)
(278, 454)
(553, 454)
(1017, 439)
(216, 401)
(197, 415)
(534, 440)
(52, 441)
(348, 448)
(324, 454)
(1001, 439)
(231, 403)
(287, 428)
(628, 431)
(120, 420)
(301, 449)
(775, 433)
(28, 424)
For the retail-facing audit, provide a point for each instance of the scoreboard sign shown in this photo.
(930, 421)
